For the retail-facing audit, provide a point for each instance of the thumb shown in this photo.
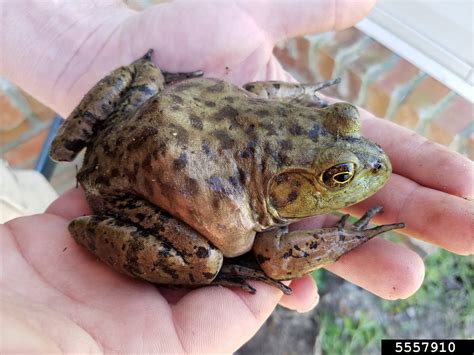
(291, 18)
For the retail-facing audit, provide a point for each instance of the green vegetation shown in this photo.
(347, 336)
(443, 305)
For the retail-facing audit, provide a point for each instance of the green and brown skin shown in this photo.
(183, 177)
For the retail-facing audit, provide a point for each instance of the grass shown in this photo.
(444, 303)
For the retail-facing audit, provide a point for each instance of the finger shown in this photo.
(71, 204)
(290, 18)
(415, 157)
(386, 269)
(222, 318)
(305, 295)
(430, 215)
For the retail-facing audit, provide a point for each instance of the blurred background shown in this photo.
(409, 62)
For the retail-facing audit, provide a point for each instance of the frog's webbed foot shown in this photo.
(232, 275)
(286, 255)
(174, 77)
(302, 94)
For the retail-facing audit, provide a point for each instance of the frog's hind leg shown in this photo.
(150, 244)
(284, 255)
(119, 93)
(303, 94)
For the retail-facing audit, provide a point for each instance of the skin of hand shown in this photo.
(60, 298)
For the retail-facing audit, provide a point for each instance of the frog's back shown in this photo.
(203, 150)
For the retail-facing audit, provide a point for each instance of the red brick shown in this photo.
(327, 53)
(44, 113)
(380, 92)
(13, 134)
(451, 121)
(296, 61)
(428, 93)
(10, 116)
(26, 152)
(372, 55)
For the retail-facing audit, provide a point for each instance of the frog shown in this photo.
(193, 181)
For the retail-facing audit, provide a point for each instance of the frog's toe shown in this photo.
(232, 275)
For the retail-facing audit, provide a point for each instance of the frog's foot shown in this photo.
(120, 93)
(236, 275)
(286, 255)
(303, 94)
(174, 77)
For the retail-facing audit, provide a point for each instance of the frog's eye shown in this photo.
(338, 175)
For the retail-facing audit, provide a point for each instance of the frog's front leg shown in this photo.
(284, 255)
(170, 253)
(304, 94)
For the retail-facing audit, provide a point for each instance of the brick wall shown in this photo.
(372, 77)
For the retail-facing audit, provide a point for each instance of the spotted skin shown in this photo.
(203, 171)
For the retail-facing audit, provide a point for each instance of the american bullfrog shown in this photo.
(193, 181)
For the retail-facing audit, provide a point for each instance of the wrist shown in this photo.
(48, 46)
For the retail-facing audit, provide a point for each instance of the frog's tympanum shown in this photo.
(193, 181)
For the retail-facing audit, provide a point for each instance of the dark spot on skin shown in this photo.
(276, 86)
(140, 216)
(295, 129)
(170, 272)
(206, 149)
(249, 87)
(242, 176)
(313, 245)
(196, 122)
(74, 145)
(292, 196)
(229, 99)
(288, 254)
(316, 132)
(102, 180)
(270, 128)
(140, 138)
(106, 240)
(208, 275)
(146, 164)
(191, 185)
(263, 113)
(210, 104)
(282, 111)
(227, 112)
(124, 246)
(202, 253)
(281, 178)
(191, 278)
(215, 184)
(146, 89)
(180, 133)
(224, 139)
(164, 250)
(217, 87)
(261, 259)
(159, 150)
(286, 144)
(176, 99)
(342, 237)
(181, 162)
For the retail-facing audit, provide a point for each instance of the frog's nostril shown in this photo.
(376, 166)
